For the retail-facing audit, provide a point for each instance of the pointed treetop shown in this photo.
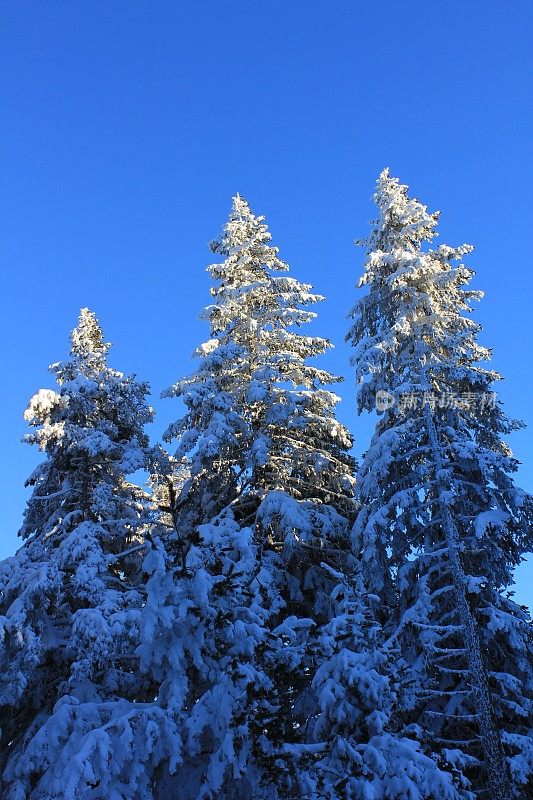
(87, 339)
(384, 178)
(240, 206)
(404, 216)
(245, 241)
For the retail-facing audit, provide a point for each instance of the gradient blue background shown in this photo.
(127, 126)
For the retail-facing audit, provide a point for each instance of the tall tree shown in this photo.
(257, 413)
(442, 525)
(71, 598)
(235, 585)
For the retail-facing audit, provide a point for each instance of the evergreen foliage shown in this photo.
(441, 525)
(258, 416)
(256, 626)
(71, 597)
(236, 589)
(362, 685)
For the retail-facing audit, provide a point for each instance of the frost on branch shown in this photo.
(71, 598)
(257, 414)
(441, 525)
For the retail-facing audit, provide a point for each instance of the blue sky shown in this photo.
(127, 127)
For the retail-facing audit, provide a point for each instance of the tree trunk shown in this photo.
(497, 771)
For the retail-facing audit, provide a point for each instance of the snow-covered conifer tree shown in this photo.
(71, 598)
(441, 524)
(235, 586)
(258, 414)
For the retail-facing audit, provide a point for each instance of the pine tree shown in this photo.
(442, 525)
(257, 413)
(235, 585)
(71, 598)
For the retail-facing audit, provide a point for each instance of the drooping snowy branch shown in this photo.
(441, 525)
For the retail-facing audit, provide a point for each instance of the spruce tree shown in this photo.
(235, 584)
(258, 414)
(71, 598)
(441, 525)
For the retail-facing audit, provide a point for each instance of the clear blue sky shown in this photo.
(127, 126)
